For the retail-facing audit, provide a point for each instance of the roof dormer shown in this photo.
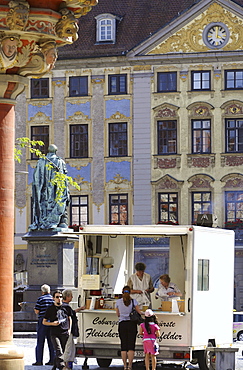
(106, 28)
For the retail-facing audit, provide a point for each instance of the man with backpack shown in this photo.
(58, 317)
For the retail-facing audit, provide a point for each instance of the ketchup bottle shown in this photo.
(101, 302)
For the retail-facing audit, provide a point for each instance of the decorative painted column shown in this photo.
(30, 34)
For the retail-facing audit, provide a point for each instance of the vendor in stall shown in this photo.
(141, 286)
(167, 289)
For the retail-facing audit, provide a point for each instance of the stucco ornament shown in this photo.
(48, 213)
(8, 50)
(67, 26)
(31, 31)
(84, 6)
(18, 14)
(42, 61)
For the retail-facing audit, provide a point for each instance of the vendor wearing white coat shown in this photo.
(141, 285)
(167, 289)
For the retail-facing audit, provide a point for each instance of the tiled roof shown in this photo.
(140, 19)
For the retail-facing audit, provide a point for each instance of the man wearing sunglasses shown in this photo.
(58, 318)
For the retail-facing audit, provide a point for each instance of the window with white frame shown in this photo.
(79, 214)
(106, 28)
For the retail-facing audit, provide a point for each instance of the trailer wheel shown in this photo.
(240, 335)
(205, 359)
(104, 362)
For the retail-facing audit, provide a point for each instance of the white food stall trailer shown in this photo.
(201, 263)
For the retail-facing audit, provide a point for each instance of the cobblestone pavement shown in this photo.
(28, 347)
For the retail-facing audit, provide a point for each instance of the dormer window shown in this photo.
(106, 28)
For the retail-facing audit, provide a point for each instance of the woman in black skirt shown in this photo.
(127, 329)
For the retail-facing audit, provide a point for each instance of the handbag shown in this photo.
(135, 316)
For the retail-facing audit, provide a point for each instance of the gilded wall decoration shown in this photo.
(77, 117)
(167, 182)
(98, 206)
(39, 103)
(77, 101)
(233, 181)
(40, 118)
(235, 108)
(97, 81)
(233, 160)
(217, 74)
(199, 160)
(118, 116)
(166, 111)
(189, 38)
(142, 68)
(183, 75)
(166, 163)
(200, 110)
(200, 182)
(58, 83)
(118, 179)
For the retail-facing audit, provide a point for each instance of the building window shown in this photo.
(78, 141)
(201, 136)
(201, 80)
(167, 81)
(117, 139)
(168, 207)
(117, 84)
(201, 204)
(203, 275)
(106, 28)
(40, 133)
(234, 135)
(234, 80)
(78, 86)
(167, 137)
(39, 88)
(79, 214)
(118, 204)
(234, 206)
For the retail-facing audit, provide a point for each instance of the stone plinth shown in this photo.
(50, 261)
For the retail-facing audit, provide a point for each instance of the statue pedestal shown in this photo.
(50, 261)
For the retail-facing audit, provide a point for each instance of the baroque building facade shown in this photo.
(146, 109)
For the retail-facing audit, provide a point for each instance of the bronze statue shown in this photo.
(48, 212)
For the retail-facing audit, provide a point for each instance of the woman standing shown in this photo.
(127, 329)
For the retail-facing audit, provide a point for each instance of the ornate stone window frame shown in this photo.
(231, 182)
(200, 110)
(232, 109)
(200, 183)
(78, 118)
(166, 112)
(118, 118)
(167, 184)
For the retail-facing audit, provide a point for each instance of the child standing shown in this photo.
(150, 331)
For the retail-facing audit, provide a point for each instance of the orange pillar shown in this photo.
(10, 357)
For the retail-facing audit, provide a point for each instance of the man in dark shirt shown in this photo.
(58, 318)
(43, 332)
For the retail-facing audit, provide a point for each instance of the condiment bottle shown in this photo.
(101, 302)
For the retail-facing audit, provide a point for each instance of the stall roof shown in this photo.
(140, 230)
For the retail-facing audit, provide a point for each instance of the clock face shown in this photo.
(216, 35)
